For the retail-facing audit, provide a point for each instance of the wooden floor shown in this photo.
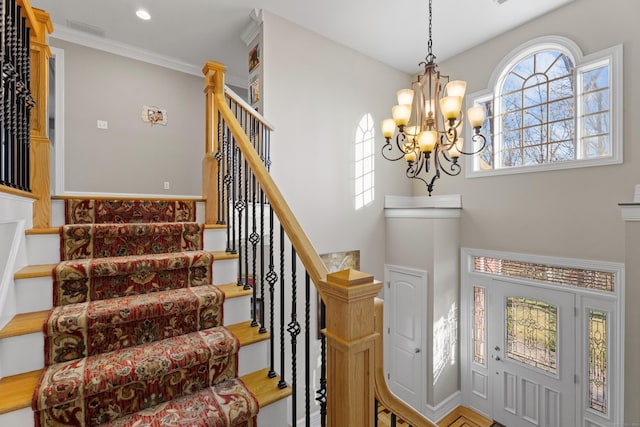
(460, 417)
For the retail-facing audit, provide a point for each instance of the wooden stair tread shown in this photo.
(50, 230)
(264, 388)
(34, 271)
(215, 226)
(24, 323)
(16, 391)
(232, 290)
(44, 270)
(247, 334)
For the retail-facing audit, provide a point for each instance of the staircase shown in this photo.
(140, 324)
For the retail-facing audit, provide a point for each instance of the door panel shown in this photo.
(404, 306)
(531, 337)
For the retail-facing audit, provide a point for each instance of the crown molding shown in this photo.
(67, 34)
(252, 30)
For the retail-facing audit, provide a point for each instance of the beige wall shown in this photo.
(131, 156)
(571, 213)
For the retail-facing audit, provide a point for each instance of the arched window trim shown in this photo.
(364, 162)
(582, 63)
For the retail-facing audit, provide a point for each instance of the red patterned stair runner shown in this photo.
(226, 404)
(100, 388)
(100, 278)
(78, 330)
(135, 337)
(82, 241)
(88, 211)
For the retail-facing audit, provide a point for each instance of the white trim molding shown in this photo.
(446, 206)
(630, 211)
(67, 34)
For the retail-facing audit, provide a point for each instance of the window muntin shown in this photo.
(550, 108)
(364, 162)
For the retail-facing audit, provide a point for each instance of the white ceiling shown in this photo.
(393, 31)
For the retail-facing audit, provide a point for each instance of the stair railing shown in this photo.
(24, 146)
(240, 193)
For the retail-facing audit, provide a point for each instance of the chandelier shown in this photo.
(429, 139)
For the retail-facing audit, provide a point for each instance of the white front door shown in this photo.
(531, 347)
(405, 302)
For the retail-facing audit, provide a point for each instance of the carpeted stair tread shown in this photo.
(226, 404)
(80, 241)
(82, 280)
(74, 331)
(99, 388)
(101, 211)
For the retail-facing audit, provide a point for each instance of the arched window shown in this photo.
(364, 162)
(548, 107)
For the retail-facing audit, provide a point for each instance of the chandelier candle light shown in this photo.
(434, 132)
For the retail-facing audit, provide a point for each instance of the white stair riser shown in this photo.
(57, 212)
(24, 418)
(34, 294)
(21, 354)
(43, 248)
(253, 357)
(274, 415)
(237, 310)
(214, 239)
(225, 271)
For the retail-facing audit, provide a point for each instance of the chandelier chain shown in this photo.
(430, 43)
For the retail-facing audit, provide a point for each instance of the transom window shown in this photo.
(551, 108)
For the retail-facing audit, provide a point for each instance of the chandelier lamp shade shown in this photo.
(426, 124)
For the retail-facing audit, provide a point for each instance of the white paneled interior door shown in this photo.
(405, 303)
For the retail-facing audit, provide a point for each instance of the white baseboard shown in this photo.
(444, 408)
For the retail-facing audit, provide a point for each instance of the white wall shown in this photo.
(570, 213)
(315, 93)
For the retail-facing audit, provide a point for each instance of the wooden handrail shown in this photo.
(383, 394)
(299, 239)
(238, 100)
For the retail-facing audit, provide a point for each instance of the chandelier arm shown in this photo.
(389, 147)
(452, 165)
(476, 138)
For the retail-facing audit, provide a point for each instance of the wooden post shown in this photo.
(40, 145)
(349, 299)
(213, 88)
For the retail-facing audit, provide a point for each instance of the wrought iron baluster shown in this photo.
(307, 352)
(240, 205)
(272, 278)
(282, 383)
(263, 329)
(254, 238)
(375, 412)
(3, 91)
(219, 156)
(321, 393)
(246, 281)
(393, 420)
(294, 330)
(229, 180)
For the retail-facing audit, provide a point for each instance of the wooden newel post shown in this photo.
(39, 150)
(213, 88)
(349, 299)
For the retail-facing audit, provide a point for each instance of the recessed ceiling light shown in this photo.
(143, 14)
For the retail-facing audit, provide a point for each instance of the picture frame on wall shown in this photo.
(254, 57)
(254, 90)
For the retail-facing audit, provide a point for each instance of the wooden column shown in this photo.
(40, 145)
(213, 88)
(349, 299)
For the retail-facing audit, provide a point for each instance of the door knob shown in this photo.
(496, 348)
(498, 358)
(417, 350)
